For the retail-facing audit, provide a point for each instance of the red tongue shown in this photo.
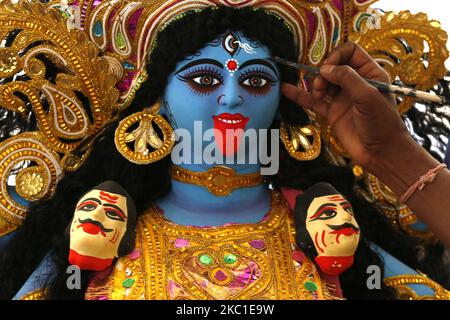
(229, 135)
(91, 228)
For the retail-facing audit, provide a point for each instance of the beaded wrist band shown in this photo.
(420, 184)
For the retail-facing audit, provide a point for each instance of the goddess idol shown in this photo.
(92, 91)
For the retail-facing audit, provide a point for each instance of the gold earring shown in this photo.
(143, 136)
(296, 138)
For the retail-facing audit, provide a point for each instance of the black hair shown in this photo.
(43, 228)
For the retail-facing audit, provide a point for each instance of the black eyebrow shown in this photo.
(345, 202)
(93, 199)
(115, 207)
(199, 61)
(259, 61)
(326, 205)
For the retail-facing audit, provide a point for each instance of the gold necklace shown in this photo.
(219, 180)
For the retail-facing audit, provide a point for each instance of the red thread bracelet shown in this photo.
(420, 184)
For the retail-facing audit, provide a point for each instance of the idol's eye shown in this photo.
(113, 214)
(324, 213)
(202, 80)
(347, 207)
(206, 80)
(255, 82)
(328, 214)
(87, 206)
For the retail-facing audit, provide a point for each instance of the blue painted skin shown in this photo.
(394, 267)
(185, 101)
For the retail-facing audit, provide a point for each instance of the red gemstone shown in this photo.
(232, 65)
(298, 256)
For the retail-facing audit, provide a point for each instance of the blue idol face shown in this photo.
(230, 86)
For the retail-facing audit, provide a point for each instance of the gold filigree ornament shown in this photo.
(302, 143)
(410, 47)
(402, 284)
(57, 77)
(38, 294)
(144, 136)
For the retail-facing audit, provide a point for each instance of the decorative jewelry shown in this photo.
(219, 180)
(423, 180)
(38, 294)
(143, 136)
(297, 138)
(401, 282)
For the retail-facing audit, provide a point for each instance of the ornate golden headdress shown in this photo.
(98, 51)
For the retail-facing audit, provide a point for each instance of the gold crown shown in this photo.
(100, 50)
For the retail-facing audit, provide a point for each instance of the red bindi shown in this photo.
(232, 65)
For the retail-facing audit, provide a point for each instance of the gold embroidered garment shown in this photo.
(236, 261)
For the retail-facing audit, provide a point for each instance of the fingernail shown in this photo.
(326, 69)
(317, 81)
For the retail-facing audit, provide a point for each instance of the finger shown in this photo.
(361, 93)
(333, 90)
(302, 98)
(374, 71)
(319, 88)
(348, 53)
(353, 55)
(320, 83)
(295, 94)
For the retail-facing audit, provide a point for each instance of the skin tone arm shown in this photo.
(370, 129)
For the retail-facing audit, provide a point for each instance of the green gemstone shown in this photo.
(310, 286)
(206, 259)
(127, 283)
(230, 258)
(120, 41)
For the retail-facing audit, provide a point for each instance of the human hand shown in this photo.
(364, 120)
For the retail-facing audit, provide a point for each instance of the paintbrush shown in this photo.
(381, 86)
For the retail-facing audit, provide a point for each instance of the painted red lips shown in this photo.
(92, 228)
(345, 231)
(229, 131)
